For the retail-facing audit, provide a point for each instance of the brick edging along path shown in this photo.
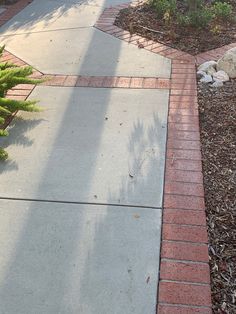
(184, 285)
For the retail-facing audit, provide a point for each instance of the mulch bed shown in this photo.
(217, 109)
(8, 2)
(188, 39)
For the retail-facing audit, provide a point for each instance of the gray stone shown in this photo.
(208, 67)
(217, 83)
(220, 76)
(91, 145)
(211, 71)
(200, 74)
(206, 79)
(78, 259)
(228, 63)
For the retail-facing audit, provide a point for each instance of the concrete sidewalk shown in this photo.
(81, 197)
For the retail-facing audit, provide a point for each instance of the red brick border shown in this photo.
(184, 285)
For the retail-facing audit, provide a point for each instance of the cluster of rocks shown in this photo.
(218, 72)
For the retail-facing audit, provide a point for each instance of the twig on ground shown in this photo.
(151, 30)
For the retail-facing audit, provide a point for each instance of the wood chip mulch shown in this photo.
(8, 2)
(217, 109)
(137, 20)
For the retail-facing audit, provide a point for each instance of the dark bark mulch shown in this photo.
(8, 2)
(218, 138)
(188, 39)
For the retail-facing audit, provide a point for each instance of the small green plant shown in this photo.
(183, 19)
(164, 8)
(199, 18)
(10, 76)
(222, 10)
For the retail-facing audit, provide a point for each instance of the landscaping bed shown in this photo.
(217, 108)
(8, 2)
(146, 21)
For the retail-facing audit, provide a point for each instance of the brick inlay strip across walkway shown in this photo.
(106, 82)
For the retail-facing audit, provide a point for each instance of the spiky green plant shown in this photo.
(10, 76)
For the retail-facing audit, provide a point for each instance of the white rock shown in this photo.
(200, 74)
(220, 76)
(217, 83)
(211, 71)
(209, 67)
(206, 79)
(228, 63)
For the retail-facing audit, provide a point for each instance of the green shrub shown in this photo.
(200, 18)
(10, 76)
(163, 7)
(183, 19)
(222, 10)
(198, 14)
(194, 5)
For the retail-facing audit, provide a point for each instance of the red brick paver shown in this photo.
(184, 285)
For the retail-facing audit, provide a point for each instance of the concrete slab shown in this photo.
(48, 15)
(70, 259)
(86, 52)
(89, 145)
